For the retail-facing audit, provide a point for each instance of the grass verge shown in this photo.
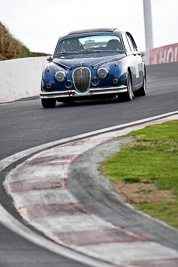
(145, 171)
(11, 48)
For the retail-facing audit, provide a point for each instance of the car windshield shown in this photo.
(90, 43)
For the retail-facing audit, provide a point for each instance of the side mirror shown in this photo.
(49, 58)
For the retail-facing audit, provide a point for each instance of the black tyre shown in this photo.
(127, 96)
(142, 91)
(48, 103)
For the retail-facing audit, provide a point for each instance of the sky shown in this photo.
(39, 23)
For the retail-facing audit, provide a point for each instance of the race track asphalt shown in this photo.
(24, 124)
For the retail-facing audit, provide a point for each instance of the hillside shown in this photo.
(11, 48)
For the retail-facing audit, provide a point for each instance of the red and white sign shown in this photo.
(164, 54)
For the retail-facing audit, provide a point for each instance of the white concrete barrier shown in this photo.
(20, 78)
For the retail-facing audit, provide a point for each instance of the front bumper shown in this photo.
(90, 92)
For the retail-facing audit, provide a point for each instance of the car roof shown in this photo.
(109, 31)
(93, 30)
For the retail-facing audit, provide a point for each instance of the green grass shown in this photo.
(163, 211)
(151, 157)
(10, 47)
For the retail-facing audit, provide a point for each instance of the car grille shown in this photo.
(81, 79)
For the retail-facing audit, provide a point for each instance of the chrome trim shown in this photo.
(80, 68)
(64, 76)
(108, 90)
(90, 92)
(106, 73)
(66, 93)
(68, 87)
(97, 81)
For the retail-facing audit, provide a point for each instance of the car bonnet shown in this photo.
(93, 59)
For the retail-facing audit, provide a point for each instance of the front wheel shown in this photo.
(127, 96)
(48, 103)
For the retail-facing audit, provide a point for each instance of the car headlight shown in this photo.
(60, 76)
(102, 73)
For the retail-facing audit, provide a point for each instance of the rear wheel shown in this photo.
(48, 103)
(142, 90)
(127, 96)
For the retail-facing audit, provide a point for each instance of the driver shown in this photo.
(74, 45)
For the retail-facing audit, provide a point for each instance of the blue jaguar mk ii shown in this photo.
(97, 63)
